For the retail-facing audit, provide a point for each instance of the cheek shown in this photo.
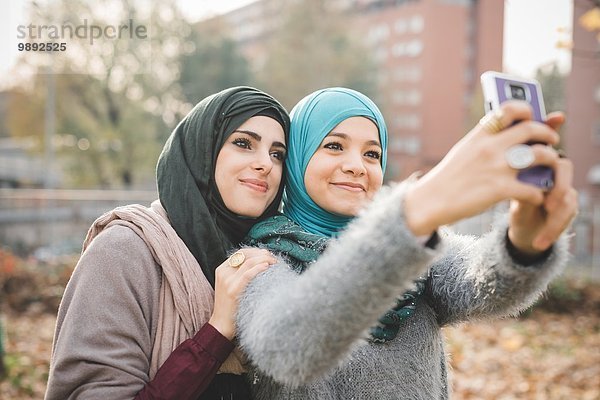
(320, 168)
(219, 182)
(226, 169)
(276, 175)
(375, 181)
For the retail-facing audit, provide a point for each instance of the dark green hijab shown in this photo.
(186, 169)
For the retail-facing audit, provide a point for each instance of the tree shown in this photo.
(213, 64)
(313, 48)
(553, 85)
(117, 96)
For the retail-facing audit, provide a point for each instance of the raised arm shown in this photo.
(479, 278)
(284, 317)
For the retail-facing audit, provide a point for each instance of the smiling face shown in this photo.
(345, 172)
(250, 165)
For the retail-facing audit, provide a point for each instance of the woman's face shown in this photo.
(249, 166)
(345, 171)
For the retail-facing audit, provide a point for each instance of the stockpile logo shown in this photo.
(67, 32)
(93, 42)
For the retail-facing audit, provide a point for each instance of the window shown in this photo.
(378, 34)
(401, 26)
(417, 23)
(409, 98)
(409, 73)
(406, 144)
(414, 48)
(408, 121)
(596, 132)
(381, 54)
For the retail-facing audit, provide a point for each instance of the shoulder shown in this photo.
(118, 241)
(118, 252)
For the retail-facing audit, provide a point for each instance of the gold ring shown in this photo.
(236, 259)
(492, 122)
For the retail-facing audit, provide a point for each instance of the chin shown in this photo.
(253, 213)
(350, 209)
(246, 211)
(345, 212)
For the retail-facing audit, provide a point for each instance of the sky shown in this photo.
(532, 28)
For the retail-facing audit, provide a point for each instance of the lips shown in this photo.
(349, 186)
(255, 184)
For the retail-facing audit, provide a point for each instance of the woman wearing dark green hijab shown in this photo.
(147, 313)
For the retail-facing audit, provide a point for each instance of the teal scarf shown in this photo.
(282, 235)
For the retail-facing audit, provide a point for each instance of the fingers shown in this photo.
(252, 257)
(529, 131)
(555, 120)
(563, 181)
(557, 221)
(545, 155)
(513, 111)
(561, 204)
(255, 256)
(252, 272)
(516, 116)
(527, 193)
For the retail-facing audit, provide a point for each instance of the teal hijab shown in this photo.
(311, 121)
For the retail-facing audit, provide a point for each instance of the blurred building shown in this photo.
(583, 127)
(583, 105)
(430, 55)
(18, 167)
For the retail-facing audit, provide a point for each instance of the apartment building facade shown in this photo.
(582, 139)
(430, 54)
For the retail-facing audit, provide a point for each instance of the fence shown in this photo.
(50, 222)
(56, 220)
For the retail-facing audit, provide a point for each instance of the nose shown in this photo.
(262, 162)
(353, 164)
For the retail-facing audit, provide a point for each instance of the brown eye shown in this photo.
(242, 142)
(278, 155)
(373, 154)
(333, 146)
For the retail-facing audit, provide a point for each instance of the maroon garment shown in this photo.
(190, 368)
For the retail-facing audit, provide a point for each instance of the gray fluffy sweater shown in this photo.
(305, 335)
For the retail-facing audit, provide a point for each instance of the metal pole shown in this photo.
(49, 129)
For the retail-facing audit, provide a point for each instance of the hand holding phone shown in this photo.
(498, 88)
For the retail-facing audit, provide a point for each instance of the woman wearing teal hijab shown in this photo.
(346, 257)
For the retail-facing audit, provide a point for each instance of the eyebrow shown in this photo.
(258, 138)
(347, 137)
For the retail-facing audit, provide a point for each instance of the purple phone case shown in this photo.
(540, 176)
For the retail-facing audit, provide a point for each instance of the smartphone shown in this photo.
(498, 88)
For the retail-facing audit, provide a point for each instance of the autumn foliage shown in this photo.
(551, 352)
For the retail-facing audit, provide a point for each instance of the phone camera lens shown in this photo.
(517, 92)
(547, 183)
